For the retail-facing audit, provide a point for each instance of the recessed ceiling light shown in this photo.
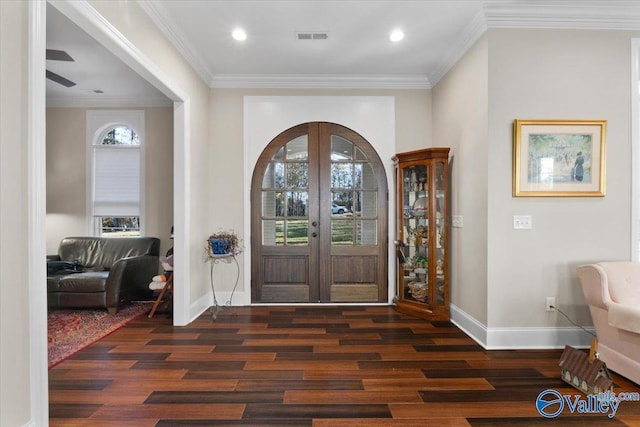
(239, 34)
(396, 35)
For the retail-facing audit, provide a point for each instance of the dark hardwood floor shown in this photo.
(308, 366)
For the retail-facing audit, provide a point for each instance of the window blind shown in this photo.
(116, 187)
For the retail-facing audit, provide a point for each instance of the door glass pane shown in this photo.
(297, 232)
(289, 169)
(297, 175)
(342, 232)
(297, 203)
(272, 204)
(272, 232)
(357, 175)
(273, 176)
(341, 202)
(297, 148)
(364, 177)
(360, 156)
(279, 155)
(366, 232)
(366, 204)
(341, 149)
(368, 181)
(341, 175)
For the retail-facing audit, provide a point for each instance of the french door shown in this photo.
(319, 218)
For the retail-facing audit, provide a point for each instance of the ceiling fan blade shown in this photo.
(59, 55)
(59, 79)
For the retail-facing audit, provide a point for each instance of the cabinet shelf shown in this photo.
(422, 185)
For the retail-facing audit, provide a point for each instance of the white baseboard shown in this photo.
(224, 299)
(199, 306)
(519, 338)
(469, 325)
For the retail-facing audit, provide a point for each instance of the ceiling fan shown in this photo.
(59, 55)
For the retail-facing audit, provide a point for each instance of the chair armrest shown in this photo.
(623, 316)
(595, 285)
(53, 257)
(129, 278)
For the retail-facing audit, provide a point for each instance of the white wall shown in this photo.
(564, 75)
(192, 156)
(67, 174)
(412, 131)
(15, 357)
(460, 102)
(532, 74)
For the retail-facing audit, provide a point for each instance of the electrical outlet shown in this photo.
(457, 221)
(550, 303)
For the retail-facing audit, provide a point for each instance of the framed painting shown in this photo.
(559, 158)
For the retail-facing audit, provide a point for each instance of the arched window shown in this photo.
(116, 188)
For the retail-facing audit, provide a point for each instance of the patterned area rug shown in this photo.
(70, 331)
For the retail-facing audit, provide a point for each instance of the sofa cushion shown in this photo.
(624, 281)
(92, 281)
(103, 251)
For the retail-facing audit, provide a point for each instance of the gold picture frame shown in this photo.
(559, 158)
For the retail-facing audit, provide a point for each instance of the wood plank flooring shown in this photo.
(308, 366)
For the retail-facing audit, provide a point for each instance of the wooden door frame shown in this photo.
(319, 132)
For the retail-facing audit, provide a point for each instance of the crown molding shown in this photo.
(527, 14)
(103, 102)
(590, 15)
(321, 81)
(168, 27)
(474, 30)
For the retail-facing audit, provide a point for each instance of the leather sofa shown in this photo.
(99, 272)
(612, 291)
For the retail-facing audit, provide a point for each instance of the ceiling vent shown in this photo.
(312, 35)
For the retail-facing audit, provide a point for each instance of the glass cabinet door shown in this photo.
(415, 230)
(441, 232)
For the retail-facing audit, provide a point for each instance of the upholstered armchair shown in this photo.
(612, 291)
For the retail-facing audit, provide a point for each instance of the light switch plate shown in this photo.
(457, 221)
(522, 222)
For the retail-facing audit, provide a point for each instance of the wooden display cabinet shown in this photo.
(422, 245)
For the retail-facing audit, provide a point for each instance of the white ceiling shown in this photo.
(357, 45)
(94, 68)
(356, 54)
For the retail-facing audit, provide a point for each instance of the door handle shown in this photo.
(314, 234)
